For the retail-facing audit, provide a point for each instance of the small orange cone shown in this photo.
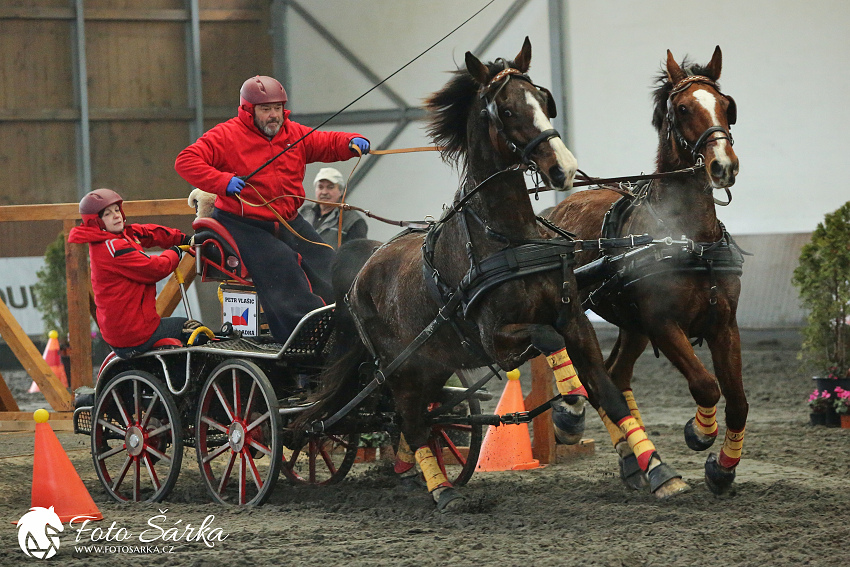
(55, 481)
(508, 447)
(51, 356)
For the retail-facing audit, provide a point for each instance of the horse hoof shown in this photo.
(449, 499)
(630, 473)
(569, 426)
(665, 482)
(718, 478)
(697, 441)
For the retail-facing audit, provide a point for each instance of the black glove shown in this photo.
(187, 240)
(179, 252)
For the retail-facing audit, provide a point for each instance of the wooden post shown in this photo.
(79, 321)
(54, 391)
(170, 295)
(7, 401)
(542, 380)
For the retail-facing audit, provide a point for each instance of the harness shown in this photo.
(662, 257)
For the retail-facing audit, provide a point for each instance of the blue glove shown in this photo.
(361, 143)
(235, 186)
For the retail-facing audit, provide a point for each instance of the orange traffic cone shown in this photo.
(55, 481)
(508, 447)
(51, 356)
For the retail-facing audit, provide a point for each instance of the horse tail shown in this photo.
(338, 382)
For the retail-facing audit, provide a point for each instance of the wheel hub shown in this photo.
(134, 441)
(236, 436)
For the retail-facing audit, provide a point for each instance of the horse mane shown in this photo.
(449, 108)
(664, 86)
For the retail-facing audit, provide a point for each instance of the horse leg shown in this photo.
(726, 356)
(620, 364)
(701, 430)
(415, 430)
(579, 337)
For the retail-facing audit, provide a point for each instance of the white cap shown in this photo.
(329, 174)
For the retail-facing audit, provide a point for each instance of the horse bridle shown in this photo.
(704, 139)
(491, 111)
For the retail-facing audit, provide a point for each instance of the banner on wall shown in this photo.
(17, 278)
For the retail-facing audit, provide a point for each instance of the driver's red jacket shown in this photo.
(123, 278)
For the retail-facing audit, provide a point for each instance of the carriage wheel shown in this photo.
(449, 442)
(136, 438)
(237, 434)
(321, 459)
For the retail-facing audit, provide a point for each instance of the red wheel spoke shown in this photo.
(326, 457)
(437, 449)
(137, 402)
(226, 474)
(152, 472)
(237, 398)
(266, 416)
(311, 459)
(453, 449)
(122, 474)
(214, 424)
(149, 411)
(246, 455)
(217, 452)
(259, 447)
(111, 452)
(121, 409)
(225, 405)
(161, 456)
(112, 426)
(137, 479)
(250, 400)
(159, 430)
(242, 480)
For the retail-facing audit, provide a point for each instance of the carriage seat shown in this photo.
(217, 253)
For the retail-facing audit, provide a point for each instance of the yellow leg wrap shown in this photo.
(706, 420)
(434, 476)
(613, 430)
(565, 374)
(641, 446)
(404, 458)
(630, 399)
(730, 454)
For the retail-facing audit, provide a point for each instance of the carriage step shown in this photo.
(82, 420)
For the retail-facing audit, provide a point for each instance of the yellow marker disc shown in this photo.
(53, 335)
(513, 374)
(40, 416)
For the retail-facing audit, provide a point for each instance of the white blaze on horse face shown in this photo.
(565, 157)
(709, 102)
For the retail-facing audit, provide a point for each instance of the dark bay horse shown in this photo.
(689, 293)
(494, 290)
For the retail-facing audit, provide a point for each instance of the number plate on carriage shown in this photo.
(240, 308)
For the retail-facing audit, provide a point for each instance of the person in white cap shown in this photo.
(328, 187)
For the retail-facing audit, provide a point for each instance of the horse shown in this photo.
(690, 289)
(422, 312)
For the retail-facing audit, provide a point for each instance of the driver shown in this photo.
(124, 277)
(288, 261)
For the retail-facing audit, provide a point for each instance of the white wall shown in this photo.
(783, 63)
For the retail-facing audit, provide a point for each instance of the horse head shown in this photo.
(694, 117)
(495, 111)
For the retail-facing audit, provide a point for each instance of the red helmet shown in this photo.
(261, 90)
(93, 204)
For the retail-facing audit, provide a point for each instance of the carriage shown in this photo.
(232, 398)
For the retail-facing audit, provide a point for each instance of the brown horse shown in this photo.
(483, 283)
(669, 294)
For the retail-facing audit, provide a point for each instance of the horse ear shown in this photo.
(523, 60)
(551, 109)
(674, 72)
(477, 69)
(715, 64)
